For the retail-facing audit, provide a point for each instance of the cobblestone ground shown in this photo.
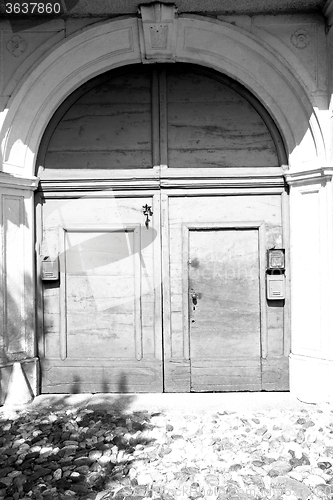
(95, 454)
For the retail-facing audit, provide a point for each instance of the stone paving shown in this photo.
(121, 454)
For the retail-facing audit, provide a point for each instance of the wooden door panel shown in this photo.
(213, 217)
(107, 128)
(100, 327)
(224, 375)
(224, 273)
(275, 373)
(100, 296)
(106, 376)
(211, 125)
(225, 319)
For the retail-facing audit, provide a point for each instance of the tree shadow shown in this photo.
(118, 401)
(59, 448)
(17, 338)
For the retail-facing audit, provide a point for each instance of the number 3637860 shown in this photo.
(33, 8)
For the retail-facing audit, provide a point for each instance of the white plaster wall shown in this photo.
(311, 360)
(311, 291)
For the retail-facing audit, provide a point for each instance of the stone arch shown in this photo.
(200, 41)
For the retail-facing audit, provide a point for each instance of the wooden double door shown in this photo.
(176, 303)
(178, 306)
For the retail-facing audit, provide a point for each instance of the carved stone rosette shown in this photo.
(16, 46)
(300, 39)
(158, 31)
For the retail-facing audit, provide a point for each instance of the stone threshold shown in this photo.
(183, 402)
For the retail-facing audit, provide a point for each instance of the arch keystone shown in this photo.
(158, 27)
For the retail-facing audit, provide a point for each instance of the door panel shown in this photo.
(231, 235)
(100, 328)
(211, 125)
(224, 310)
(156, 115)
(101, 303)
(108, 127)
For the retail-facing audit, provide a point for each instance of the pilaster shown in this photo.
(17, 307)
(311, 209)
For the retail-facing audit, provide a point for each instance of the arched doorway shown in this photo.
(177, 302)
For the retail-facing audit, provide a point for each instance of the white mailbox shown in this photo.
(275, 286)
(50, 269)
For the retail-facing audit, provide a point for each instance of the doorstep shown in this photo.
(196, 402)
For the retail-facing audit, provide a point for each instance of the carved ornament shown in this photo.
(16, 46)
(300, 39)
(158, 31)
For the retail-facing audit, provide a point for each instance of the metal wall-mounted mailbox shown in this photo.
(275, 286)
(276, 259)
(50, 269)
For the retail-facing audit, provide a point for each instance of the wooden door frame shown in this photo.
(260, 227)
(173, 181)
(161, 259)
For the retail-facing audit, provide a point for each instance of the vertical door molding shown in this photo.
(158, 348)
(186, 291)
(155, 117)
(163, 118)
(286, 245)
(263, 302)
(137, 292)
(62, 294)
(166, 276)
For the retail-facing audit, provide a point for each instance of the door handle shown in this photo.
(194, 297)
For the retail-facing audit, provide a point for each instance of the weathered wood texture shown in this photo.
(218, 210)
(109, 127)
(102, 313)
(107, 375)
(161, 115)
(211, 125)
(101, 296)
(225, 309)
(103, 321)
